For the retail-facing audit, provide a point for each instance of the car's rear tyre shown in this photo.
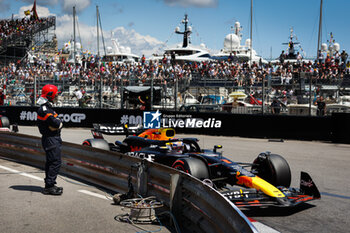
(192, 166)
(190, 108)
(4, 122)
(193, 109)
(273, 168)
(182, 109)
(97, 143)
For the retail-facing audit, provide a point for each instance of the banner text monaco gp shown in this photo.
(266, 183)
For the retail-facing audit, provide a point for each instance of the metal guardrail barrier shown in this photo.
(196, 206)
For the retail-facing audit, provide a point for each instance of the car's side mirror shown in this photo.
(217, 147)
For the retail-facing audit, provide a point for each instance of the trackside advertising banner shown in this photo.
(80, 117)
(334, 128)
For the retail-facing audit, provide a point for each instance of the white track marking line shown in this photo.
(41, 179)
(93, 194)
(262, 228)
(21, 173)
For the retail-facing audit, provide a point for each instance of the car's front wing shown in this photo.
(250, 197)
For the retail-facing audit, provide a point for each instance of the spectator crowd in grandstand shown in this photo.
(92, 69)
(19, 27)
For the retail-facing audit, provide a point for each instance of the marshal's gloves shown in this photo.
(54, 129)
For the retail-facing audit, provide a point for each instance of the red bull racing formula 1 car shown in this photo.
(265, 182)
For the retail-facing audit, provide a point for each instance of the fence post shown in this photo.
(100, 90)
(310, 92)
(35, 91)
(263, 94)
(121, 89)
(175, 94)
(142, 179)
(152, 74)
(176, 195)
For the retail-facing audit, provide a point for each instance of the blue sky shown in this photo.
(143, 24)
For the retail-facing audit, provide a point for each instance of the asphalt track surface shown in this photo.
(24, 209)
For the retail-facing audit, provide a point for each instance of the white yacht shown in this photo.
(232, 45)
(185, 52)
(342, 105)
(120, 55)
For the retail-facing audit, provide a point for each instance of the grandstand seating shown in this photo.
(16, 36)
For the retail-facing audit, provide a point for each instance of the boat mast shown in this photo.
(271, 53)
(186, 33)
(231, 38)
(74, 46)
(319, 31)
(251, 31)
(103, 40)
(98, 42)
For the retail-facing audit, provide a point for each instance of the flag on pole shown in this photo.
(27, 12)
(35, 14)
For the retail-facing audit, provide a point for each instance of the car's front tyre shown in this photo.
(192, 166)
(273, 168)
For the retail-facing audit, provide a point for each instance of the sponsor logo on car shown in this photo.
(149, 157)
(307, 183)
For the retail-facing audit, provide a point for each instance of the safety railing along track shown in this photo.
(196, 206)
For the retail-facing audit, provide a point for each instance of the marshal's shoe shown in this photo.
(54, 190)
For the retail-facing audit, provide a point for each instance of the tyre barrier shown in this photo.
(196, 206)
